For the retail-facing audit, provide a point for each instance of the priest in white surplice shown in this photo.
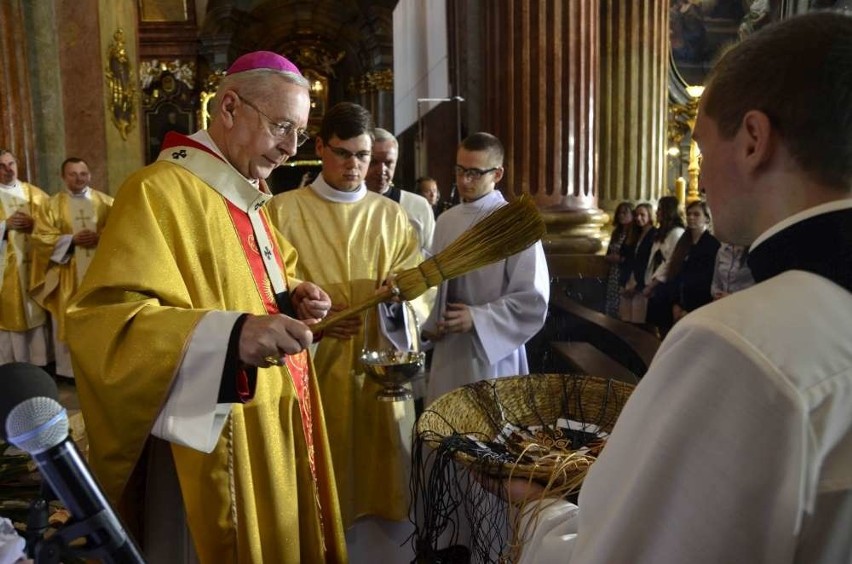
(481, 320)
(64, 241)
(379, 179)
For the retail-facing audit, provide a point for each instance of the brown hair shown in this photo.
(684, 244)
(798, 72)
(346, 120)
(670, 217)
(484, 142)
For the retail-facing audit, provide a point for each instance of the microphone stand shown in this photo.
(58, 547)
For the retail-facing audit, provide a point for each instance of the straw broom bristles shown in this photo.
(504, 232)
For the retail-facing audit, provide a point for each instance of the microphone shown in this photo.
(33, 420)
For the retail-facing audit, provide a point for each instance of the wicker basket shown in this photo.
(484, 408)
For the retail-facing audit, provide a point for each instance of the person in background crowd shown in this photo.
(64, 241)
(617, 275)
(23, 323)
(692, 262)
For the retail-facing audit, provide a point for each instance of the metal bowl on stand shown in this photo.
(390, 367)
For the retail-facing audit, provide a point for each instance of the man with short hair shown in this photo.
(66, 235)
(737, 444)
(482, 320)
(379, 179)
(23, 328)
(349, 240)
(189, 339)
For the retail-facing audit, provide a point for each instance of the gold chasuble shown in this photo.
(349, 248)
(18, 312)
(183, 242)
(53, 284)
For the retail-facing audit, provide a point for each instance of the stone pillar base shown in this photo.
(574, 231)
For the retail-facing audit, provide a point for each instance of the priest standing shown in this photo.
(189, 339)
(481, 320)
(23, 323)
(66, 235)
(380, 180)
(349, 239)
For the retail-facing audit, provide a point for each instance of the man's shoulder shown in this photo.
(290, 195)
(35, 190)
(382, 204)
(160, 181)
(773, 321)
(101, 195)
(415, 201)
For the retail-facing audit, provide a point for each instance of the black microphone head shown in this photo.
(21, 383)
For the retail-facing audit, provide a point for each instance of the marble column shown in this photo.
(16, 112)
(634, 92)
(541, 91)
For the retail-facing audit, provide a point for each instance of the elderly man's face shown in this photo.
(8, 169)
(251, 147)
(382, 166)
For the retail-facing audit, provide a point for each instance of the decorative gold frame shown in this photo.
(121, 96)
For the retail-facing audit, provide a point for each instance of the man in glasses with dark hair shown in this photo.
(481, 320)
(349, 239)
(189, 336)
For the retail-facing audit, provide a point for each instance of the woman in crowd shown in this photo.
(693, 262)
(614, 256)
(636, 250)
(659, 294)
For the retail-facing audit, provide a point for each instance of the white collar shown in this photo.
(12, 186)
(827, 207)
(201, 136)
(324, 190)
(84, 193)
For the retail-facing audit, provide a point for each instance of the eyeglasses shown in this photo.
(472, 173)
(344, 155)
(279, 131)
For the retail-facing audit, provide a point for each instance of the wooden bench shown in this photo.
(588, 359)
(628, 345)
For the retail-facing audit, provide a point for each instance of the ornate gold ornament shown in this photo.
(373, 81)
(121, 89)
(681, 122)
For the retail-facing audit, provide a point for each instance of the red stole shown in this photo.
(297, 365)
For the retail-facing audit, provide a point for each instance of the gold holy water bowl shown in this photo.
(391, 369)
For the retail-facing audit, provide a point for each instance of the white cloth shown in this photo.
(420, 216)
(752, 461)
(12, 545)
(508, 304)
(666, 247)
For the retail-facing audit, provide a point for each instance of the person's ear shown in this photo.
(498, 174)
(756, 142)
(319, 146)
(227, 107)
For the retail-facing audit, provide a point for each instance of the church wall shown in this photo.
(82, 82)
(122, 156)
(16, 104)
(47, 93)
